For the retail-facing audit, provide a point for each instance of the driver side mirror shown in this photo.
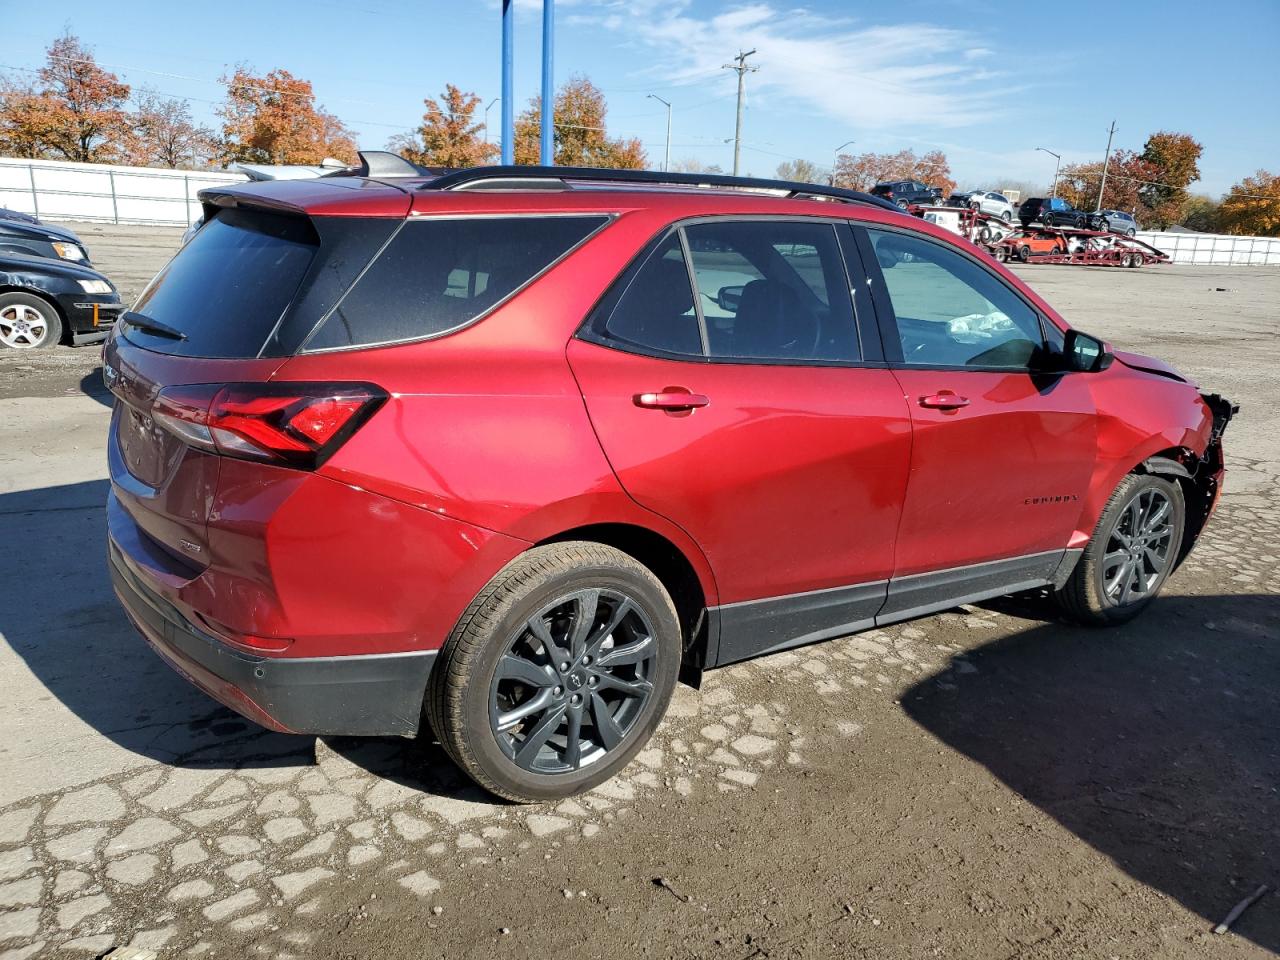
(730, 298)
(1085, 354)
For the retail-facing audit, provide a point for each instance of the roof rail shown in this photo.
(553, 178)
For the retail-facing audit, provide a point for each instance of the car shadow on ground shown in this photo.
(1157, 743)
(91, 385)
(74, 638)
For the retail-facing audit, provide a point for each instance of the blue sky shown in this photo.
(987, 82)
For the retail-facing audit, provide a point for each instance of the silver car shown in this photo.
(995, 204)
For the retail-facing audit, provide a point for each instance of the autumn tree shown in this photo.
(1127, 175)
(1252, 207)
(448, 135)
(1174, 158)
(581, 138)
(165, 135)
(694, 165)
(274, 118)
(801, 171)
(74, 111)
(865, 170)
(1200, 213)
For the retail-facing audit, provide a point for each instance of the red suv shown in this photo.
(507, 451)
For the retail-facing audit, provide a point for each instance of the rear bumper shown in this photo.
(369, 695)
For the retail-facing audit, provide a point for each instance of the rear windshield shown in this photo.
(227, 288)
(439, 274)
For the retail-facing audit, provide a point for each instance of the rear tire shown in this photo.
(557, 673)
(1024, 253)
(1130, 555)
(28, 322)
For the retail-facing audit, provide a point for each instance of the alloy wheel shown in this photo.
(22, 326)
(573, 681)
(1139, 548)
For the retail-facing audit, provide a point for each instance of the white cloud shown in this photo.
(871, 77)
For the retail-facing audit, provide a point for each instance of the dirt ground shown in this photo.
(983, 783)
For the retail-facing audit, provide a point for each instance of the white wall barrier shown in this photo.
(1215, 249)
(57, 190)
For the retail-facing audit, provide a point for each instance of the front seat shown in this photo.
(773, 322)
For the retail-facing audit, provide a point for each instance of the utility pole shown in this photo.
(1056, 167)
(739, 65)
(1105, 163)
(486, 117)
(508, 105)
(666, 163)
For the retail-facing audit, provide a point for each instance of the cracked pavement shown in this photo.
(977, 783)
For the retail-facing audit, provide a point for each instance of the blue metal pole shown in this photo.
(508, 108)
(548, 83)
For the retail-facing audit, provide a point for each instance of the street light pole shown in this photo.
(508, 107)
(1057, 165)
(666, 163)
(486, 117)
(835, 158)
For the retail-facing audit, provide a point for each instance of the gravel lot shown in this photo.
(980, 783)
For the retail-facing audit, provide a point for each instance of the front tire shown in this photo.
(1133, 549)
(558, 672)
(28, 322)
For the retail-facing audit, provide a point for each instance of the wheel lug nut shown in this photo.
(592, 681)
(577, 698)
(586, 661)
(558, 690)
(564, 666)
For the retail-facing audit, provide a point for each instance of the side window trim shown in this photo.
(888, 320)
(697, 296)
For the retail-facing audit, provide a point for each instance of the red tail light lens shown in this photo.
(295, 424)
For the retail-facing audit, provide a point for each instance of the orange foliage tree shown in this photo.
(448, 135)
(75, 110)
(274, 118)
(865, 170)
(1176, 159)
(581, 138)
(1252, 207)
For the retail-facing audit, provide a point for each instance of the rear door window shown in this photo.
(226, 289)
(439, 274)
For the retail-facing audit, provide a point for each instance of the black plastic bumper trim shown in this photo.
(362, 695)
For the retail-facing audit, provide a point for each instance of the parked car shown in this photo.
(44, 302)
(1025, 246)
(1117, 221)
(906, 193)
(1056, 212)
(503, 453)
(32, 238)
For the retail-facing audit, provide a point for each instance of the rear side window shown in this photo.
(228, 287)
(437, 275)
(762, 291)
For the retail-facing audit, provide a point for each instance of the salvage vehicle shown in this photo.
(1117, 221)
(26, 236)
(1055, 212)
(500, 455)
(44, 302)
(907, 193)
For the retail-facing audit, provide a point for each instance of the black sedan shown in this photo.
(23, 234)
(45, 302)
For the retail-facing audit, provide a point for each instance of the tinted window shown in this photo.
(437, 275)
(656, 310)
(227, 288)
(773, 290)
(949, 310)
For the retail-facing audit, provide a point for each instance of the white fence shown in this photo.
(1215, 249)
(56, 190)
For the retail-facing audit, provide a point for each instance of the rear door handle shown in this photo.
(671, 399)
(944, 400)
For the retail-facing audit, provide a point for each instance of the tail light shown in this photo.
(293, 424)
